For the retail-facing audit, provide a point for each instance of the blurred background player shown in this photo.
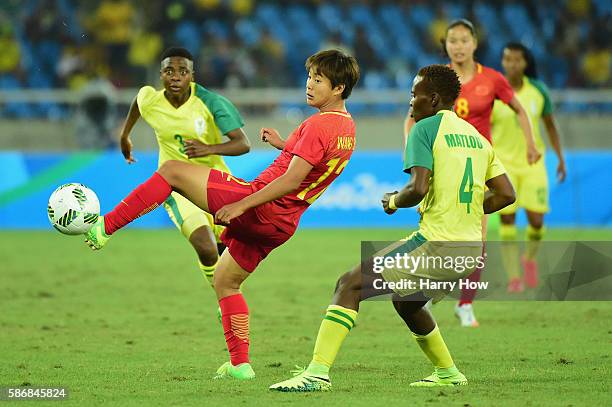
(530, 181)
(263, 214)
(480, 87)
(444, 219)
(189, 122)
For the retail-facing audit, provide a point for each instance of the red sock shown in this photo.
(468, 294)
(146, 197)
(235, 319)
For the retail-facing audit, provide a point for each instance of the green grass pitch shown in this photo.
(136, 324)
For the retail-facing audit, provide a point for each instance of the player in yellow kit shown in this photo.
(189, 122)
(450, 163)
(530, 181)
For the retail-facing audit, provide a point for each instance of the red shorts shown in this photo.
(248, 239)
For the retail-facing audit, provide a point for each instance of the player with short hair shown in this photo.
(530, 181)
(480, 87)
(262, 214)
(449, 163)
(189, 122)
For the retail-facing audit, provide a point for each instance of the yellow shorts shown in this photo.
(531, 187)
(440, 263)
(188, 217)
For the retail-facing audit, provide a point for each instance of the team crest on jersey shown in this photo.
(200, 126)
(482, 90)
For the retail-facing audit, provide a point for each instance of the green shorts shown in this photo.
(188, 217)
(434, 266)
(531, 187)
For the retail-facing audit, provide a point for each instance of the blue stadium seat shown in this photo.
(217, 28)
(188, 34)
(330, 16)
(455, 11)
(248, 31)
(421, 16)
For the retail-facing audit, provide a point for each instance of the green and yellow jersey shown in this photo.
(206, 116)
(510, 148)
(461, 161)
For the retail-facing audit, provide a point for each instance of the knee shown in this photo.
(170, 171)
(205, 246)
(207, 255)
(536, 223)
(350, 281)
(225, 281)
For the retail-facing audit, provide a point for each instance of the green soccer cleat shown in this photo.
(96, 237)
(304, 382)
(436, 380)
(243, 371)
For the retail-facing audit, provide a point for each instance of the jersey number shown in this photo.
(331, 166)
(179, 138)
(466, 189)
(462, 109)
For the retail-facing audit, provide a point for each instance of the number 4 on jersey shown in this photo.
(465, 195)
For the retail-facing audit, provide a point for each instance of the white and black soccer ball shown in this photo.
(73, 209)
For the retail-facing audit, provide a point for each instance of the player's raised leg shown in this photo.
(189, 180)
(234, 317)
(427, 335)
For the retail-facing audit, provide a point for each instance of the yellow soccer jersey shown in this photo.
(507, 135)
(461, 161)
(205, 116)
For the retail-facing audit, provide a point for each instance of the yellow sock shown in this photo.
(510, 250)
(533, 241)
(336, 325)
(208, 272)
(434, 347)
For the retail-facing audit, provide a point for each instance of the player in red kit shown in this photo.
(262, 214)
(480, 87)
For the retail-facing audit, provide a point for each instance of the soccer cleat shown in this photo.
(515, 285)
(530, 268)
(243, 371)
(303, 382)
(436, 380)
(96, 237)
(466, 316)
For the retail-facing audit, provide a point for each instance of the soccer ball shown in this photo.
(73, 209)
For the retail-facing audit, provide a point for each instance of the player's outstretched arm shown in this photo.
(411, 194)
(238, 144)
(125, 141)
(288, 182)
(555, 141)
(533, 155)
(500, 194)
(270, 135)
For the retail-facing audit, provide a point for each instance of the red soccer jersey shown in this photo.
(475, 102)
(326, 140)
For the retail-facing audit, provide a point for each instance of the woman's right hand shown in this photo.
(270, 135)
(126, 150)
